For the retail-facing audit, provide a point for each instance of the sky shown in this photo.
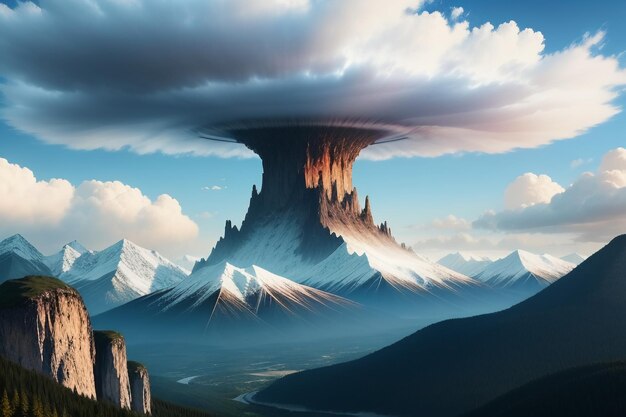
(454, 187)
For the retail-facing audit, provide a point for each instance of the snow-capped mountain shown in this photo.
(361, 264)
(253, 287)
(120, 273)
(524, 271)
(574, 258)
(464, 263)
(227, 300)
(355, 272)
(63, 260)
(18, 258)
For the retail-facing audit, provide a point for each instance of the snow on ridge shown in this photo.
(22, 247)
(63, 260)
(545, 266)
(242, 283)
(464, 263)
(405, 266)
(519, 263)
(77, 246)
(134, 268)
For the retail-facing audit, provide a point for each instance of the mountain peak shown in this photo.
(124, 243)
(63, 260)
(464, 263)
(77, 246)
(125, 270)
(19, 245)
(13, 241)
(523, 267)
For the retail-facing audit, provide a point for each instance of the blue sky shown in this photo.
(408, 192)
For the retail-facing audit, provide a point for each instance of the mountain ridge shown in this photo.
(448, 360)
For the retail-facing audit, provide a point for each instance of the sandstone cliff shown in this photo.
(139, 387)
(111, 371)
(45, 327)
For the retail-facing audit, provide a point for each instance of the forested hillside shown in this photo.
(27, 394)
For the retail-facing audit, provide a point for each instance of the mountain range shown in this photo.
(466, 264)
(524, 271)
(454, 366)
(224, 300)
(106, 279)
(120, 273)
(354, 271)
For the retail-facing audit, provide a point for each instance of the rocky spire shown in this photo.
(111, 369)
(366, 214)
(385, 229)
(139, 388)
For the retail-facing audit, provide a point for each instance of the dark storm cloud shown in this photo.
(147, 74)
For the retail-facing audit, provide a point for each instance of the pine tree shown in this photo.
(5, 405)
(24, 407)
(36, 410)
(15, 403)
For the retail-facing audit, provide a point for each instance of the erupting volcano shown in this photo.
(305, 253)
(306, 222)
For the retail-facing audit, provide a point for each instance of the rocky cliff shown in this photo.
(45, 327)
(139, 388)
(111, 369)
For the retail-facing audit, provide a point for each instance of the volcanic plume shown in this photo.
(308, 208)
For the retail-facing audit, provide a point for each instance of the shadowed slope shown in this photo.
(454, 366)
(596, 390)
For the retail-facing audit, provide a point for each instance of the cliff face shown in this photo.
(45, 327)
(139, 388)
(111, 371)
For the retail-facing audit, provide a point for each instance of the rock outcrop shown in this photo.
(111, 369)
(45, 327)
(139, 388)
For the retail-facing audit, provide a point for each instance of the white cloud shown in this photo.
(174, 67)
(456, 12)
(214, 188)
(96, 213)
(205, 215)
(593, 207)
(614, 160)
(24, 200)
(451, 222)
(576, 163)
(530, 189)
(499, 244)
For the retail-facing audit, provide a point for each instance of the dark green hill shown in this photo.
(39, 392)
(590, 391)
(457, 365)
(15, 291)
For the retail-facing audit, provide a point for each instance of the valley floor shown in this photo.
(211, 378)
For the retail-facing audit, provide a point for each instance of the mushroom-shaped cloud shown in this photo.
(149, 74)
